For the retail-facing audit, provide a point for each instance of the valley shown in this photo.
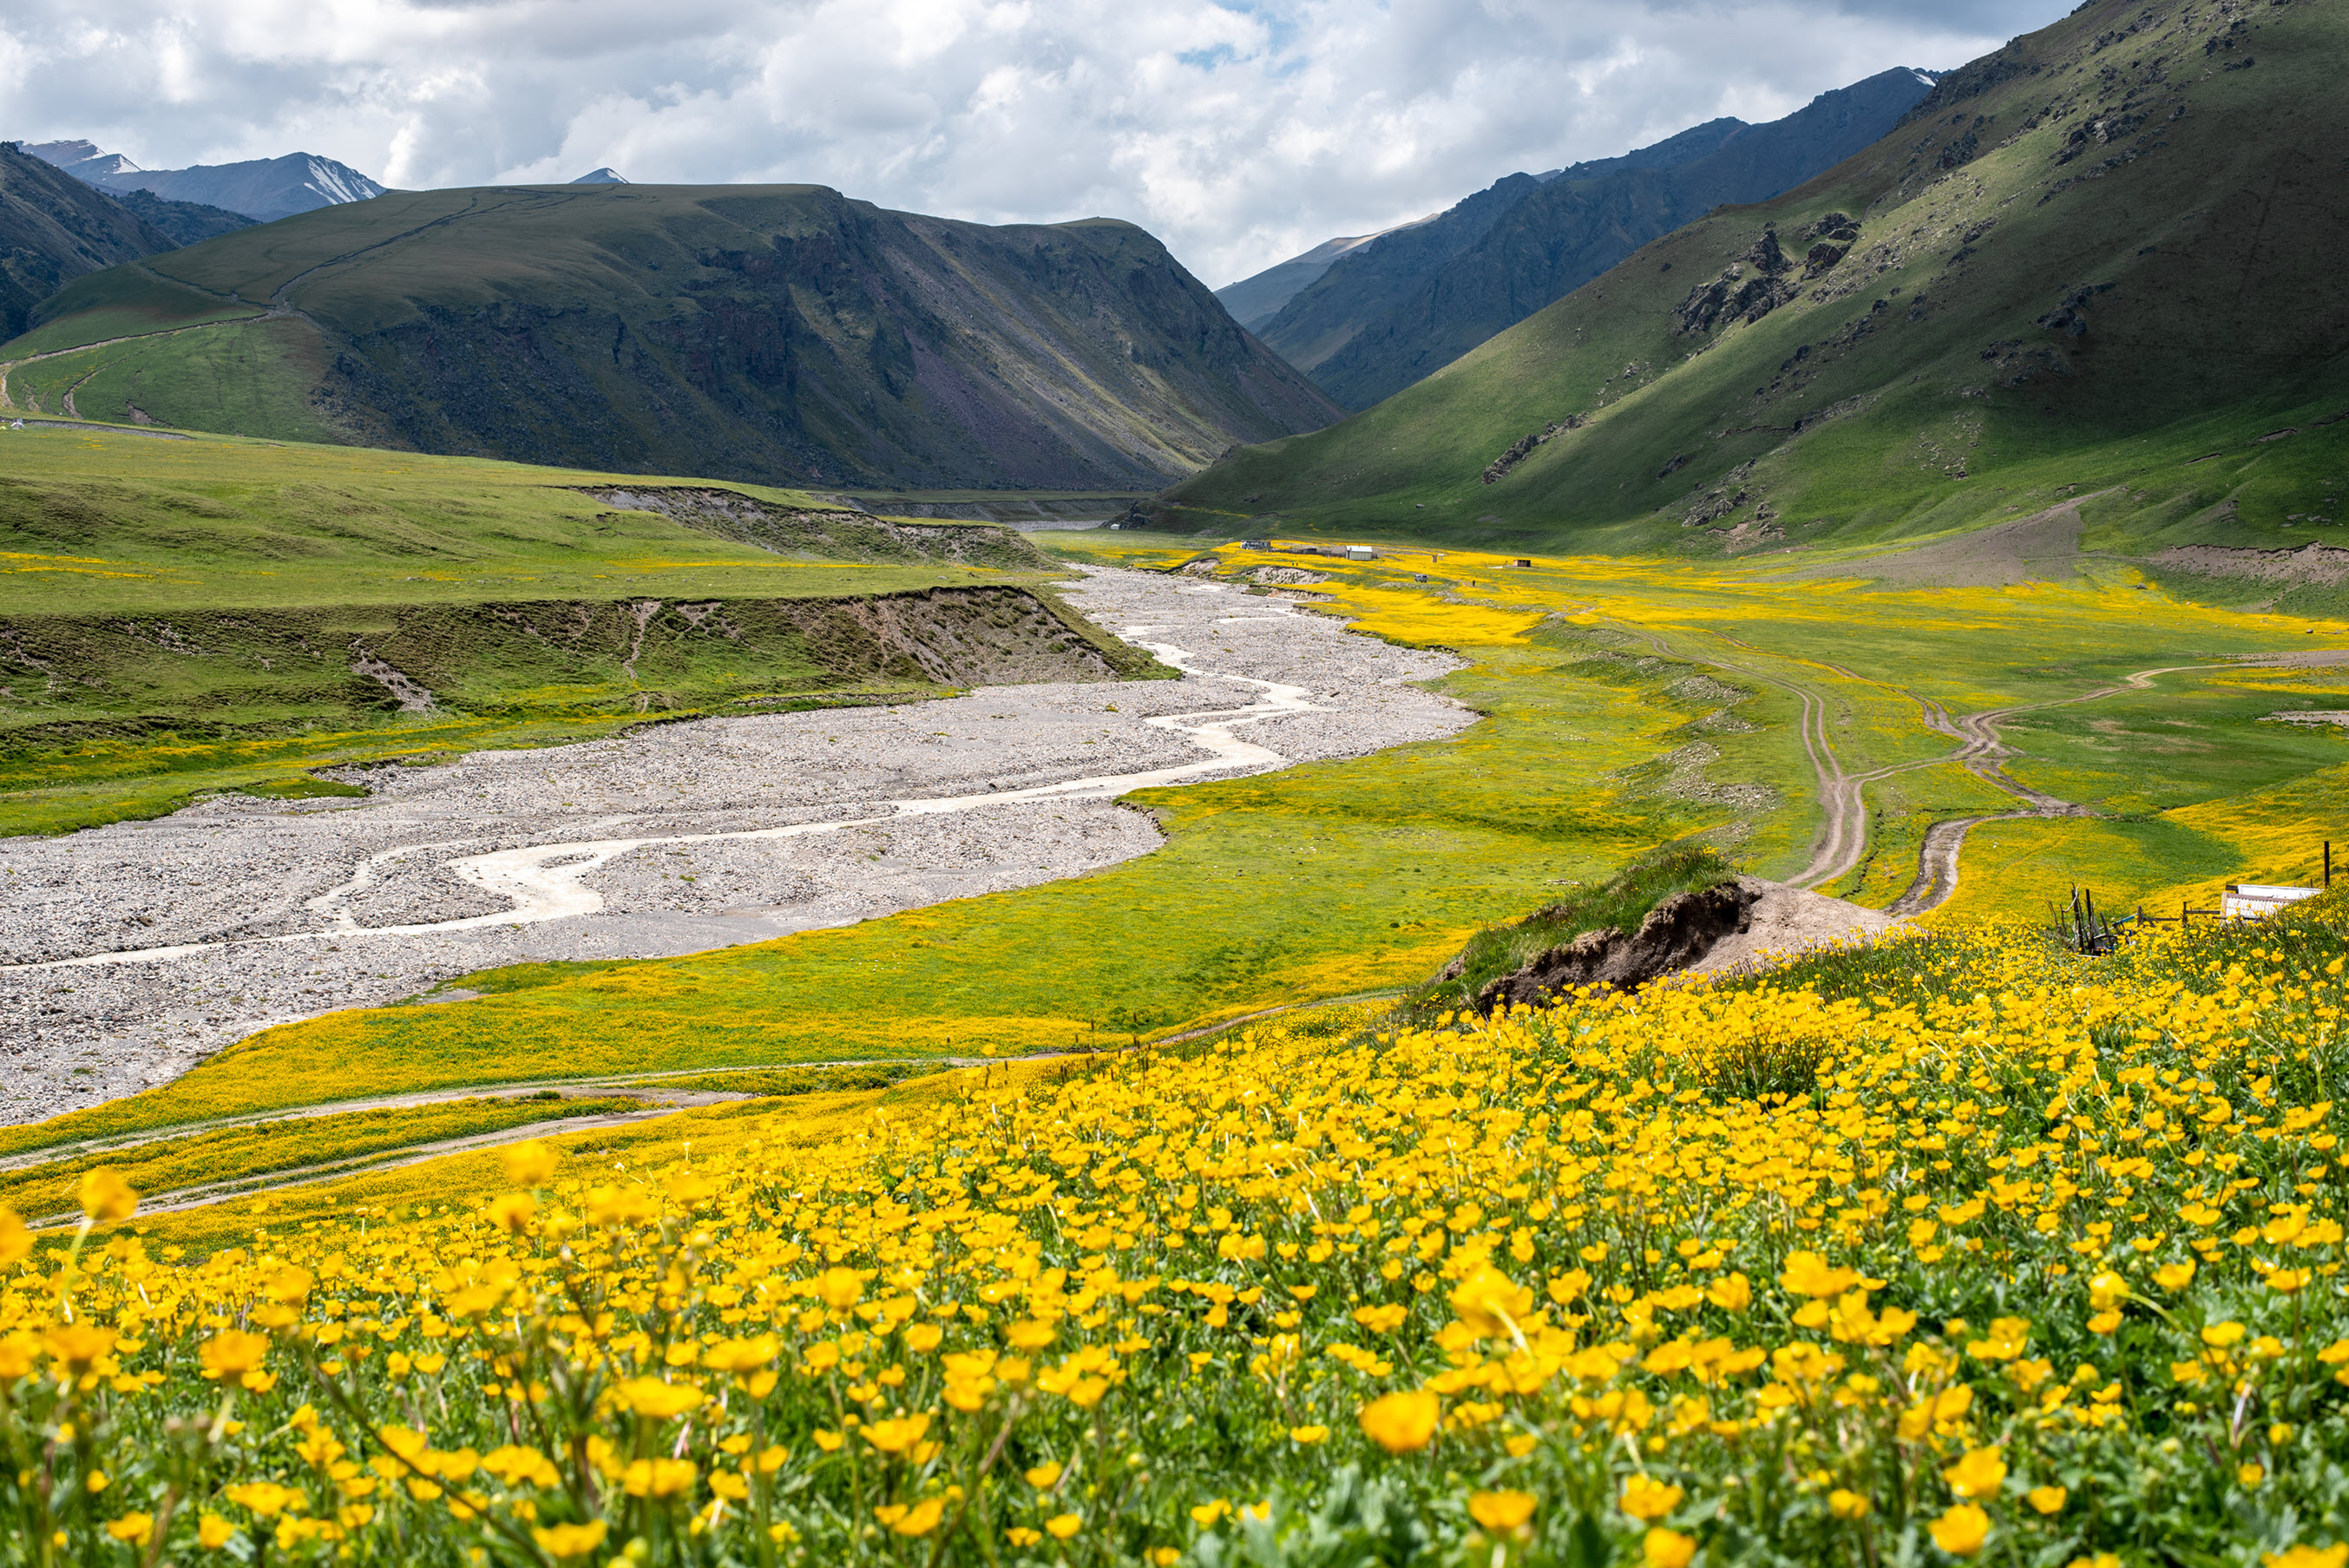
(138, 950)
(704, 875)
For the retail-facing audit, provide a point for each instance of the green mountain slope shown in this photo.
(1323, 316)
(55, 229)
(2099, 263)
(183, 223)
(779, 334)
(1570, 230)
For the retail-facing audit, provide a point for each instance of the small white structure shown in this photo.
(2252, 901)
(1360, 552)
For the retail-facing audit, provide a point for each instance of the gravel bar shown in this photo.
(130, 953)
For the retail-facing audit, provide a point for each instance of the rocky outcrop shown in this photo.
(1722, 500)
(2070, 317)
(1676, 933)
(1748, 289)
(1524, 446)
(1832, 238)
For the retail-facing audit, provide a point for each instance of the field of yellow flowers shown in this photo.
(1964, 1247)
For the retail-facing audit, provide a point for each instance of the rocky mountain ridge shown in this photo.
(261, 189)
(776, 334)
(1405, 316)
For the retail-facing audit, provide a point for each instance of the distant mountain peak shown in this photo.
(82, 160)
(604, 176)
(260, 188)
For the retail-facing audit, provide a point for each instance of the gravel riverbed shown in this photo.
(281, 907)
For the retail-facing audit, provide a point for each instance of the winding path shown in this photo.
(1842, 839)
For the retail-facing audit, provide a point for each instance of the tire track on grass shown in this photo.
(1983, 753)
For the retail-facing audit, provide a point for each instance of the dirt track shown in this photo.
(1841, 840)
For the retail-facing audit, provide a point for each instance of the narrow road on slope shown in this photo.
(8, 364)
(1842, 836)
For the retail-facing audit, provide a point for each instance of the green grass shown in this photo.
(96, 522)
(178, 616)
(2026, 870)
(1145, 549)
(237, 1153)
(789, 1083)
(138, 304)
(1326, 879)
(304, 789)
(2183, 742)
(251, 377)
(1918, 419)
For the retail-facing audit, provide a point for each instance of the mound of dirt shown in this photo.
(1747, 923)
(2042, 548)
(1676, 933)
(1784, 920)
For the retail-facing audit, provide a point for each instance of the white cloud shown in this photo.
(1239, 132)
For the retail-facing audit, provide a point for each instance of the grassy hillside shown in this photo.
(777, 334)
(2097, 264)
(1570, 231)
(185, 613)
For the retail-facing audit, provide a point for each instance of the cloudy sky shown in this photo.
(1239, 132)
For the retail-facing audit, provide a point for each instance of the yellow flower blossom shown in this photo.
(1982, 1473)
(1646, 1499)
(1662, 1548)
(1401, 1423)
(105, 1198)
(1501, 1511)
(1961, 1531)
(566, 1541)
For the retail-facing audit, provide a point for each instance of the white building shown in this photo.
(2250, 900)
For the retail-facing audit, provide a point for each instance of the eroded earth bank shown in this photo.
(133, 952)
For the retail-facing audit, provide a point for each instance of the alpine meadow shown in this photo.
(701, 875)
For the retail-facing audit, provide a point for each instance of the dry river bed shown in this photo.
(130, 953)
